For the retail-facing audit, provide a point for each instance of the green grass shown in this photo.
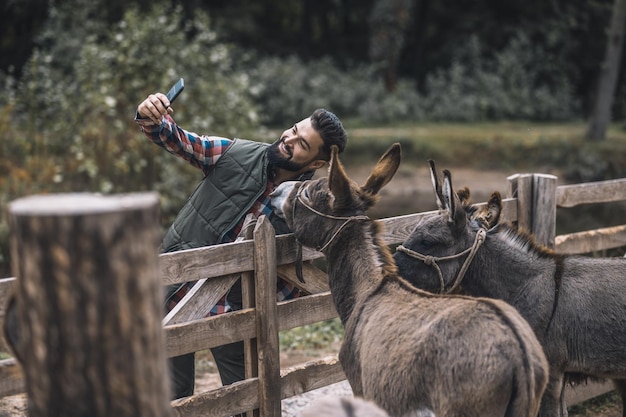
(313, 336)
(505, 145)
(514, 146)
(598, 406)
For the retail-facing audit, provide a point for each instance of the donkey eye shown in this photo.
(305, 193)
(427, 243)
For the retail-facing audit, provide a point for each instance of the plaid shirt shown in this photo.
(203, 152)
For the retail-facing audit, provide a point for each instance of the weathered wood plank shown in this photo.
(591, 192)
(206, 262)
(225, 401)
(200, 299)
(591, 240)
(248, 300)
(11, 378)
(315, 280)
(205, 293)
(240, 325)
(210, 332)
(242, 396)
(268, 349)
(311, 375)
(520, 187)
(6, 285)
(250, 352)
(544, 209)
(306, 310)
(583, 392)
(396, 229)
(286, 250)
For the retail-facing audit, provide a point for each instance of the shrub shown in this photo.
(521, 82)
(66, 130)
(288, 89)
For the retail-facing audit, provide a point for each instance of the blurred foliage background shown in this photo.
(72, 73)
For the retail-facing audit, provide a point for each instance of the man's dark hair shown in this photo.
(330, 129)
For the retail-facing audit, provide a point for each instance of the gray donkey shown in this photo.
(576, 305)
(410, 352)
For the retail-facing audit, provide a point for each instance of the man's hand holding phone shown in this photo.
(158, 105)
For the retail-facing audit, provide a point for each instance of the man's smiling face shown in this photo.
(298, 149)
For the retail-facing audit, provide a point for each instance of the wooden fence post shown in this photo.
(544, 209)
(88, 305)
(536, 204)
(520, 187)
(267, 318)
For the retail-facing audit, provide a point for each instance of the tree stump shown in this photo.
(88, 305)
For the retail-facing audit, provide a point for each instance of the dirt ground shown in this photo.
(207, 378)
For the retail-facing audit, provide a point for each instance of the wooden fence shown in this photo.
(532, 201)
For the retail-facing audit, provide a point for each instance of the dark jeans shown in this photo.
(229, 361)
(228, 358)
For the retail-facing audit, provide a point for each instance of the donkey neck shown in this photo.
(518, 261)
(357, 264)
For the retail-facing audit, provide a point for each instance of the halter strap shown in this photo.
(432, 260)
(328, 216)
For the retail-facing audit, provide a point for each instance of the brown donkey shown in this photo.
(408, 351)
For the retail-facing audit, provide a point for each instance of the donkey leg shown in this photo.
(552, 402)
(620, 387)
(564, 412)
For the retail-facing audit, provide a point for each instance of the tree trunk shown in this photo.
(389, 21)
(88, 305)
(601, 112)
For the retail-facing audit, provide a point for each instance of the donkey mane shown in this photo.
(389, 267)
(520, 238)
(524, 240)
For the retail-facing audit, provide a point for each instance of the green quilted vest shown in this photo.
(222, 198)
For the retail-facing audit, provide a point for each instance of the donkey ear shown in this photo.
(384, 170)
(338, 181)
(436, 184)
(489, 215)
(464, 196)
(456, 213)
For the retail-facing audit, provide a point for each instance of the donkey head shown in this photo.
(316, 211)
(441, 247)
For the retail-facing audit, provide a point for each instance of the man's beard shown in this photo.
(279, 161)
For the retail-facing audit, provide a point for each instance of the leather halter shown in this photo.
(346, 220)
(432, 260)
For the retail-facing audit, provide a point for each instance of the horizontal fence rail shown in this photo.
(531, 202)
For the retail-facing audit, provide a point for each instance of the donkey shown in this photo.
(406, 350)
(576, 305)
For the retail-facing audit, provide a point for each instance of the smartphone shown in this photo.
(175, 90)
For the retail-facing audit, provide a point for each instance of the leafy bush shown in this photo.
(313, 336)
(66, 130)
(288, 89)
(521, 82)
